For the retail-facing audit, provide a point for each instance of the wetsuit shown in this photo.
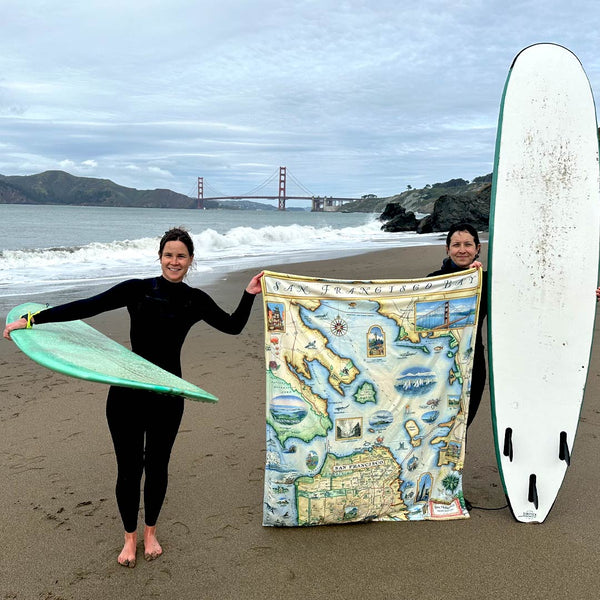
(143, 425)
(479, 370)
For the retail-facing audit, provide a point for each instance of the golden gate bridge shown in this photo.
(441, 317)
(319, 203)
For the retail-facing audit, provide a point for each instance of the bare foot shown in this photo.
(152, 549)
(127, 556)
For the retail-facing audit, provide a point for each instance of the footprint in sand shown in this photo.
(179, 528)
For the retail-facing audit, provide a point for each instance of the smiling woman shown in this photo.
(463, 248)
(144, 427)
(176, 253)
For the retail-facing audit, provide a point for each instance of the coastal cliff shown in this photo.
(452, 204)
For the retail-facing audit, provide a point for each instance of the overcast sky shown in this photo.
(353, 97)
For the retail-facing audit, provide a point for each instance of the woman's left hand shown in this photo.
(254, 287)
(476, 265)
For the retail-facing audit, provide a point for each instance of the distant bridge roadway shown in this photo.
(319, 203)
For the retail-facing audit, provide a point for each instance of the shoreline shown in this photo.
(58, 469)
(66, 255)
(198, 276)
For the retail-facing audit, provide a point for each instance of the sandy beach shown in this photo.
(61, 531)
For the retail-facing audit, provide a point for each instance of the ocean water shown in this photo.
(59, 253)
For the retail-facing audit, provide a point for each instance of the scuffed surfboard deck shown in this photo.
(544, 252)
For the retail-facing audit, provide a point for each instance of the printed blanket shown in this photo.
(367, 397)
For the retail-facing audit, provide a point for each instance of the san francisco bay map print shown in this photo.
(367, 397)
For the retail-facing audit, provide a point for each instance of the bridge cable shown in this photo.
(254, 190)
(213, 191)
(300, 185)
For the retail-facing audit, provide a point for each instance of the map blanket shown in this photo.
(367, 397)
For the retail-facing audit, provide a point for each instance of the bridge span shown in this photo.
(319, 203)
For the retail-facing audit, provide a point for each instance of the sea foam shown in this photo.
(31, 270)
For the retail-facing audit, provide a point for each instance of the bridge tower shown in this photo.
(200, 193)
(282, 178)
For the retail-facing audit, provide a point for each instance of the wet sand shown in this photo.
(61, 532)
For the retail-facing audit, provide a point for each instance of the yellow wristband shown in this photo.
(29, 318)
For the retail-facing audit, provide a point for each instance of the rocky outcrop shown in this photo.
(473, 208)
(458, 209)
(397, 219)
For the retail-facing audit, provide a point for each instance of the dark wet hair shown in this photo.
(462, 227)
(176, 234)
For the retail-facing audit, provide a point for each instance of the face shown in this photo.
(175, 261)
(462, 249)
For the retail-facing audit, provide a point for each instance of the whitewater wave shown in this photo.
(209, 244)
(28, 269)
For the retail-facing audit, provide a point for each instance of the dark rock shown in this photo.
(397, 218)
(449, 210)
(468, 204)
(392, 209)
(424, 225)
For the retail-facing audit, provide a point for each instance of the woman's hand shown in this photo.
(254, 287)
(597, 294)
(476, 265)
(19, 324)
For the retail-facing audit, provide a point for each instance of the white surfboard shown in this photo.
(544, 254)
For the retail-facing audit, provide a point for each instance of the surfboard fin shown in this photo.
(508, 445)
(532, 496)
(563, 451)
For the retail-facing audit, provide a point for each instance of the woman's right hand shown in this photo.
(254, 287)
(18, 324)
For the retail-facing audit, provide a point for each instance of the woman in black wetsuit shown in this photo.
(462, 248)
(143, 425)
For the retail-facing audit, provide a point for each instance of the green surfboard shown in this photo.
(76, 349)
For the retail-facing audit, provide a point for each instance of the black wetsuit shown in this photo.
(143, 425)
(479, 370)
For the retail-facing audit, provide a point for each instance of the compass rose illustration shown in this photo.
(339, 326)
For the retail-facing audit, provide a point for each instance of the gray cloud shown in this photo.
(353, 97)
